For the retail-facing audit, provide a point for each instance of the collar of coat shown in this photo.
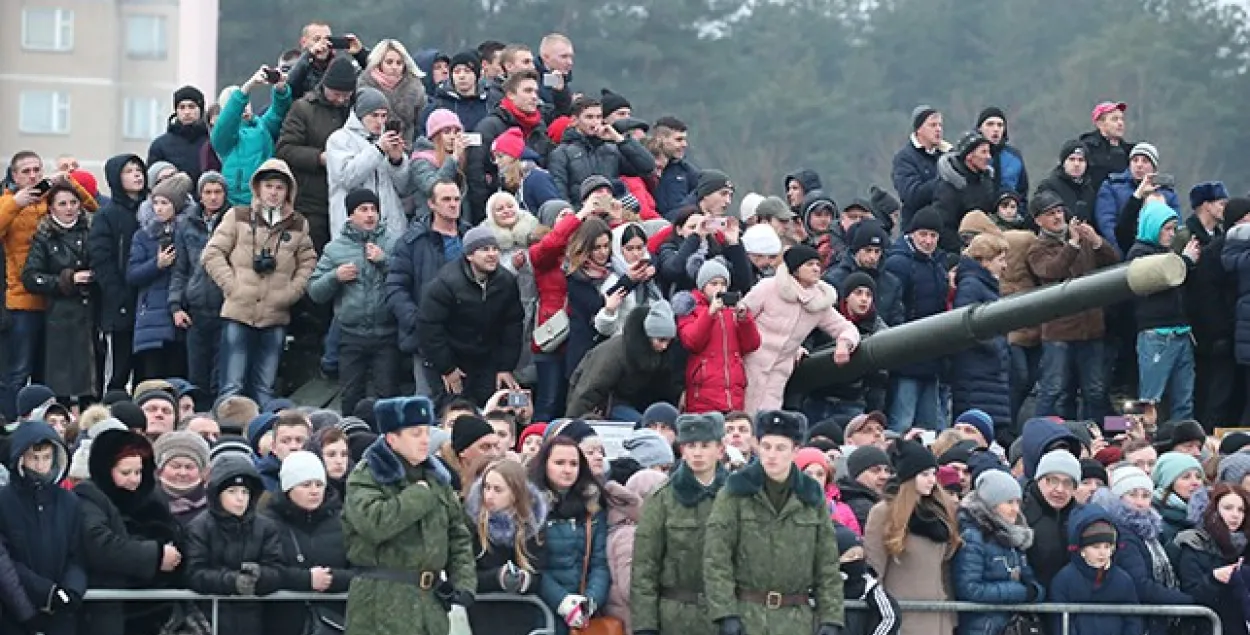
(687, 489)
(388, 469)
(817, 299)
(291, 222)
(749, 481)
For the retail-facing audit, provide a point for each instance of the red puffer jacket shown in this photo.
(716, 379)
(547, 260)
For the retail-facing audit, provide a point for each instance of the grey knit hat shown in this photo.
(711, 270)
(996, 487)
(369, 99)
(182, 443)
(478, 238)
(648, 448)
(1059, 462)
(549, 211)
(659, 322)
(211, 176)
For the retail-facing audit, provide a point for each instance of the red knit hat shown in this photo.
(87, 181)
(557, 127)
(529, 431)
(511, 143)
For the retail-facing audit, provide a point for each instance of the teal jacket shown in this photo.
(243, 145)
(360, 305)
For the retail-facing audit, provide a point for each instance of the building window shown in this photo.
(143, 120)
(44, 112)
(145, 37)
(47, 29)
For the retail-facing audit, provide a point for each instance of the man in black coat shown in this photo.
(1214, 320)
(186, 134)
(112, 229)
(1107, 150)
(471, 321)
(592, 147)
(1070, 180)
(965, 183)
(914, 168)
(867, 241)
(518, 109)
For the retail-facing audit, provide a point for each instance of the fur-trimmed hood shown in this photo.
(502, 526)
(515, 237)
(814, 300)
(977, 512)
(560, 506)
(687, 489)
(388, 469)
(952, 170)
(749, 481)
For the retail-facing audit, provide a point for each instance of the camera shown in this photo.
(730, 298)
(394, 125)
(273, 75)
(264, 262)
(166, 239)
(1163, 181)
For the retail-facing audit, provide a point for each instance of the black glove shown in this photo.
(463, 598)
(449, 595)
(731, 626)
(60, 600)
(829, 629)
(1033, 593)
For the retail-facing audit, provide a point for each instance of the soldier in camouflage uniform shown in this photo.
(666, 590)
(770, 546)
(404, 528)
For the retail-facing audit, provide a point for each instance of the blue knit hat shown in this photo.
(398, 413)
(1206, 192)
(259, 427)
(981, 420)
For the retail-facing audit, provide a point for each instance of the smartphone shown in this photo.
(716, 223)
(927, 437)
(730, 298)
(518, 399)
(273, 75)
(394, 125)
(43, 186)
(1163, 180)
(339, 42)
(551, 80)
(1113, 423)
(472, 139)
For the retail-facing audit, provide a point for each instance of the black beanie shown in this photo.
(868, 233)
(130, 415)
(959, 453)
(189, 93)
(360, 196)
(612, 101)
(1070, 147)
(711, 182)
(969, 142)
(865, 457)
(829, 429)
(797, 255)
(1236, 209)
(467, 429)
(341, 75)
(991, 111)
(927, 218)
(857, 280)
(466, 58)
(910, 459)
(1093, 469)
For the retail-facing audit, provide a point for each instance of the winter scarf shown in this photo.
(1017, 535)
(384, 80)
(926, 523)
(185, 502)
(1146, 525)
(1061, 235)
(527, 121)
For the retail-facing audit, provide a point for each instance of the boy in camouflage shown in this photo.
(666, 594)
(770, 546)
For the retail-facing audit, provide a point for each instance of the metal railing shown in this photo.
(1050, 608)
(173, 595)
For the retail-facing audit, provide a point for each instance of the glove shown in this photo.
(463, 598)
(573, 608)
(449, 595)
(731, 626)
(60, 600)
(1033, 593)
(829, 629)
(514, 579)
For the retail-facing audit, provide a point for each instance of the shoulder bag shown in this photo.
(597, 625)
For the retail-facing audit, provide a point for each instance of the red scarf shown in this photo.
(527, 121)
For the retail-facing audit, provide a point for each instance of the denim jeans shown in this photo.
(1025, 362)
(914, 404)
(817, 409)
(22, 346)
(249, 360)
(1059, 361)
(362, 360)
(204, 351)
(552, 387)
(1166, 363)
(330, 349)
(625, 412)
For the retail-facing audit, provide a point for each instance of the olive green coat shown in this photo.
(751, 546)
(668, 554)
(400, 517)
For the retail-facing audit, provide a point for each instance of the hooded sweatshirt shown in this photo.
(1163, 313)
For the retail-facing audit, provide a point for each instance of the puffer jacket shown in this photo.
(354, 162)
(481, 172)
(1078, 582)
(471, 109)
(1053, 259)
(190, 287)
(959, 190)
(256, 300)
(413, 264)
(1236, 260)
(218, 543)
(180, 145)
(925, 286)
(1196, 555)
(546, 258)
(154, 324)
(17, 230)
(242, 145)
(109, 242)
(991, 567)
(1009, 171)
(1078, 196)
(915, 177)
(359, 305)
(979, 376)
(888, 297)
(677, 181)
(470, 325)
(716, 378)
(623, 515)
(624, 370)
(859, 498)
(1135, 529)
(579, 157)
(565, 538)
(1113, 195)
(309, 539)
(305, 132)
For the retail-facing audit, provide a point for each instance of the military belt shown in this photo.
(685, 596)
(773, 599)
(425, 580)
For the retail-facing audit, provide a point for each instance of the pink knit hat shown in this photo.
(441, 120)
(510, 143)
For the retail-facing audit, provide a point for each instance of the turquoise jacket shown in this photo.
(359, 305)
(243, 145)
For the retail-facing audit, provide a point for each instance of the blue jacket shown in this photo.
(243, 145)
(1009, 171)
(1236, 260)
(1114, 193)
(112, 229)
(1135, 529)
(678, 179)
(982, 569)
(154, 324)
(190, 286)
(561, 575)
(42, 525)
(924, 285)
(1079, 583)
(537, 188)
(889, 296)
(415, 261)
(979, 374)
(914, 173)
(1036, 436)
(470, 110)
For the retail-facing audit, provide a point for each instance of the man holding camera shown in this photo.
(318, 44)
(368, 151)
(261, 256)
(1117, 221)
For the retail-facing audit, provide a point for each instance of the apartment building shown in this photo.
(94, 78)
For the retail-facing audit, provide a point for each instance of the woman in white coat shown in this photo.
(366, 153)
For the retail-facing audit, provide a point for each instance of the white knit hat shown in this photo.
(761, 240)
(1127, 478)
(746, 209)
(301, 466)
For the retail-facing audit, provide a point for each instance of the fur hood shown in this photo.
(953, 171)
(749, 481)
(388, 469)
(625, 507)
(49, 228)
(516, 237)
(815, 300)
(502, 526)
(589, 500)
(977, 513)
(687, 489)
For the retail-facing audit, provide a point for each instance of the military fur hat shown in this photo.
(792, 425)
(692, 428)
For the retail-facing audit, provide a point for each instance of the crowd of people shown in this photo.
(527, 259)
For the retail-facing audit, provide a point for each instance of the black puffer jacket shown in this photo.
(1049, 552)
(124, 534)
(180, 145)
(112, 229)
(190, 286)
(219, 543)
(859, 498)
(579, 157)
(309, 539)
(467, 325)
(1078, 196)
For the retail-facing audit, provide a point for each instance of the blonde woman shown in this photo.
(506, 514)
(392, 71)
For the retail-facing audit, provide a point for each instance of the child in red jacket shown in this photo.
(717, 332)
